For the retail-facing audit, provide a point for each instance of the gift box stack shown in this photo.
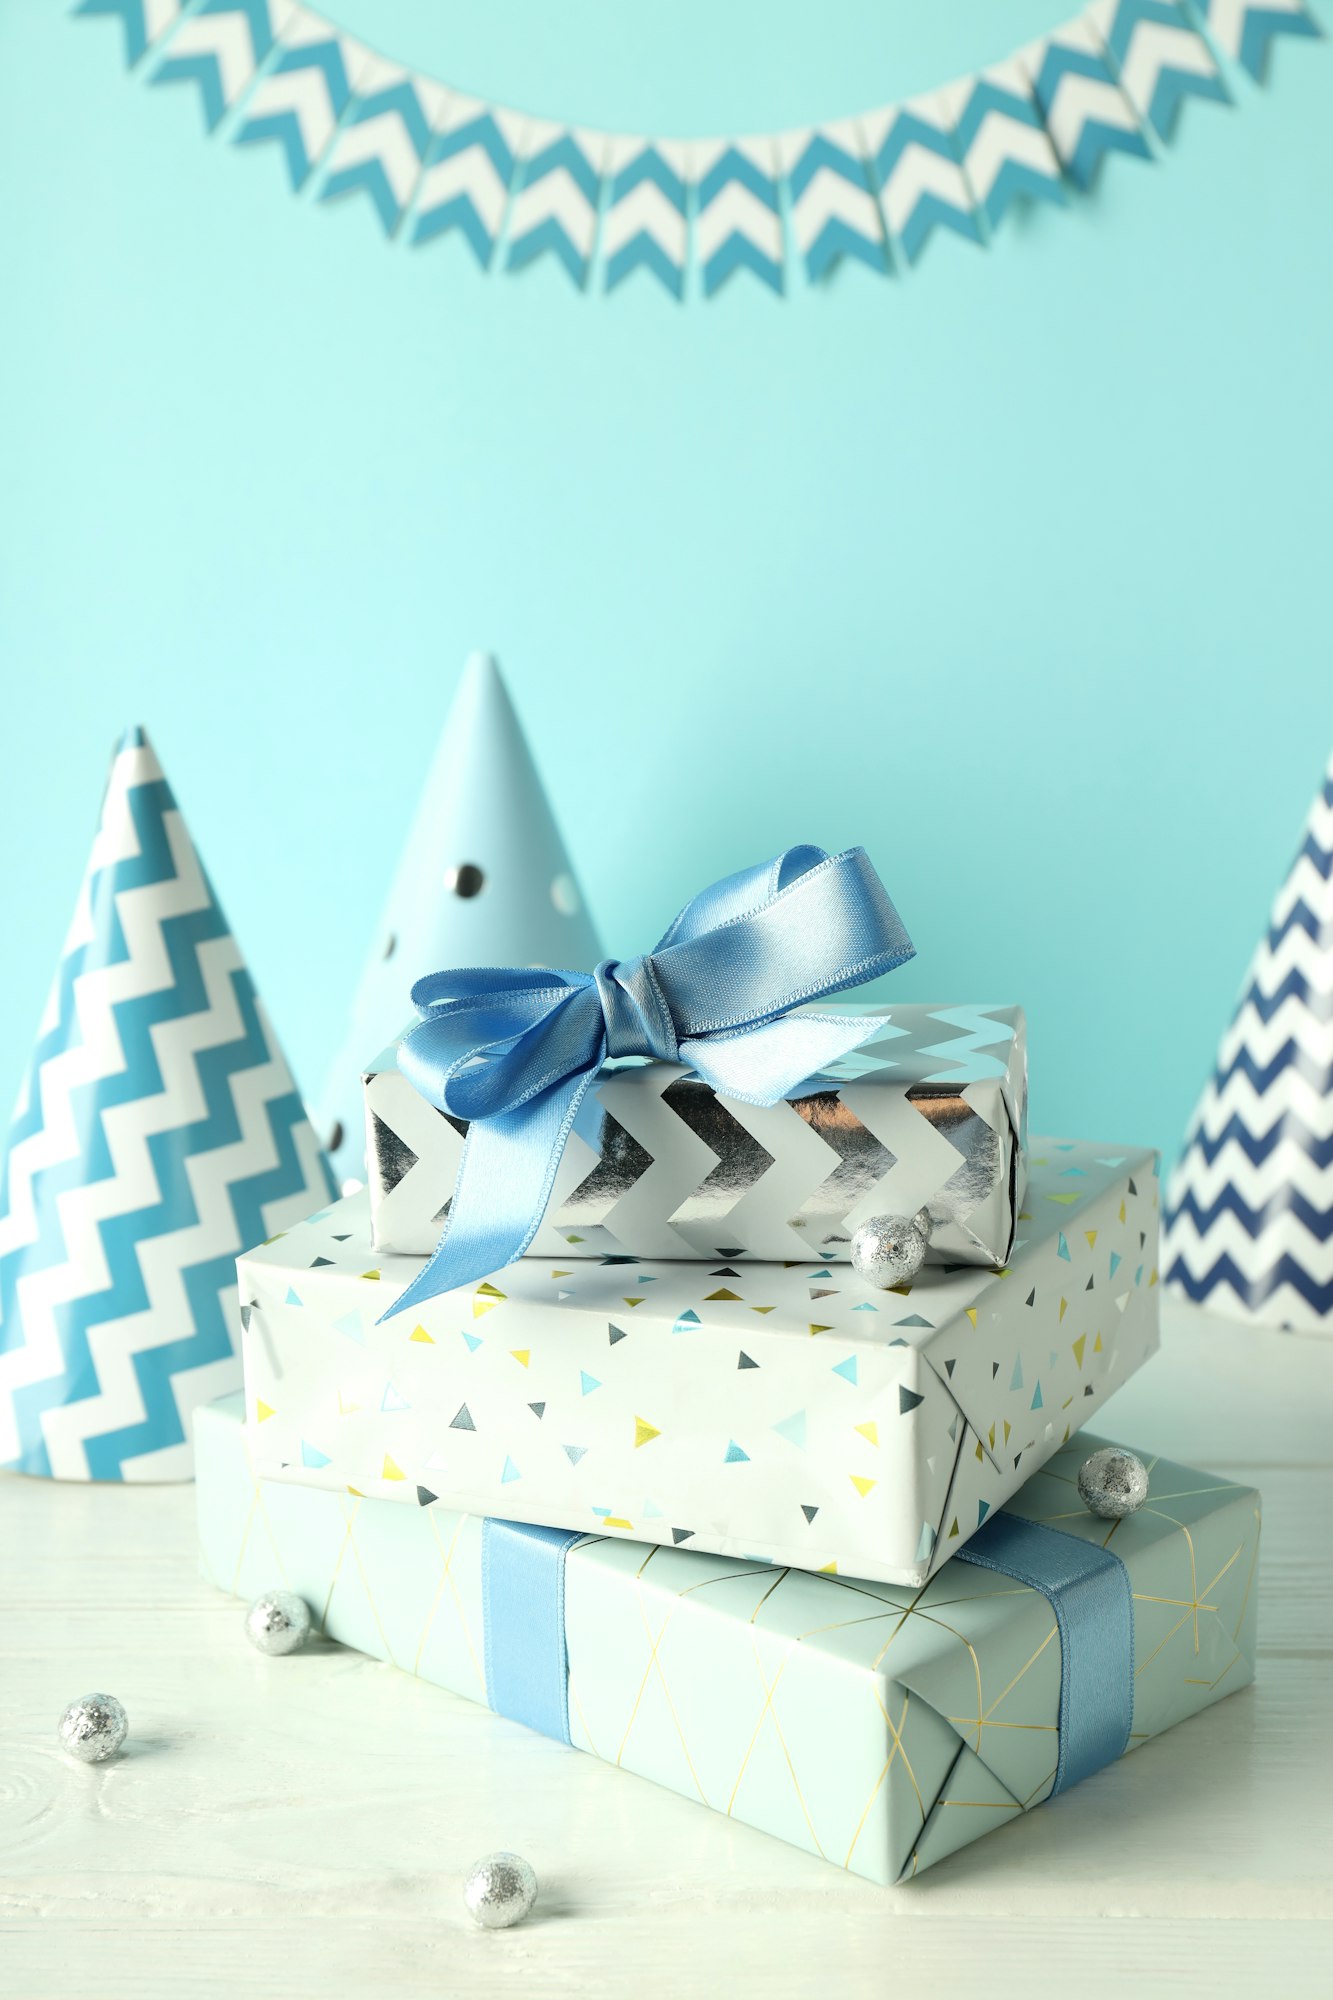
(755, 1471)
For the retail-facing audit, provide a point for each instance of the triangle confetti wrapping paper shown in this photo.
(787, 1412)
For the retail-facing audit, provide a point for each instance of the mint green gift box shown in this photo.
(878, 1726)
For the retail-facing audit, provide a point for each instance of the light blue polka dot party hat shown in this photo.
(483, 879)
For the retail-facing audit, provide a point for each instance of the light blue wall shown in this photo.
(1014, 571)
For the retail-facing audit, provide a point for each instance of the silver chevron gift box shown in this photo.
(928, 1121)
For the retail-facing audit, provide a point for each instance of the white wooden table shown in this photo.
(302, 1827)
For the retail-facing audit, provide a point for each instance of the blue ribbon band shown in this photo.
(1087, 1588)
(513, 1051)
(523, 1608)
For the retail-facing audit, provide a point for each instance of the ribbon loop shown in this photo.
(515, 1052)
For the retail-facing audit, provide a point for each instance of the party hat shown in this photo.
(484, 879)
(158, 1133)
(1250, 1205)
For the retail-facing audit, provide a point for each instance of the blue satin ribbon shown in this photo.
(523, 1609)
(514, 1051)
(1088, 1589)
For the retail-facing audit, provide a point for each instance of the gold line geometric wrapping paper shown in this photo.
(878, 1726)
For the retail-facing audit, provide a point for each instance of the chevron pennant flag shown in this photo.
(644, 227)
(1001, 140)
(920, 178)
(1160, 57)
(557, 195)
(302, 96)
(468, 176)
(1245, 30)
(1249, 1208)
(382, 144)
(738, 214)
(144, 22)
(220, 48)
(158, 1134)
(1086, 112)
(834, 212)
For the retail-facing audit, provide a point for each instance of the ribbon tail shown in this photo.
(761, 1065)
(504, 1183)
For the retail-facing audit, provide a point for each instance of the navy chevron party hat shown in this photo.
(158, 1134)
(1249, 1209)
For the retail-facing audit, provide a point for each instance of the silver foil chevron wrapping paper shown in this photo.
(931, 1114)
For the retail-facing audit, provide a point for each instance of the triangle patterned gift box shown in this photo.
(783, 1411)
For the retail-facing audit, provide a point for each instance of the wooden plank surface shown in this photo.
(303, 1826)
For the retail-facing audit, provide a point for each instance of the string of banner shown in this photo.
(784, 207)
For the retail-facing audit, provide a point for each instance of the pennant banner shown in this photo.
(778, 209)
(645, 224)
(301, 99)
(833, 208)
(1005, 149)
(557, 195)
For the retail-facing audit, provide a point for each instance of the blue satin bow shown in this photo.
(513, 1051)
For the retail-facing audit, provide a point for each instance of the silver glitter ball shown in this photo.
(890, 1249)
(1112, 1483)
(93, 1728)
(499, 1891)
(278, 1622)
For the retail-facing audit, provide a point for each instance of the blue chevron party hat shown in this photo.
(1250, 1206)
(158, 1134)
(483, 879)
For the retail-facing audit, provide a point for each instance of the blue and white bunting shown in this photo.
(645, 225)
(922, 186)
(1161, 58)
(1245, 30)
(832, 207)
(143, 22)
(1087, 113)
(738, 212)
(300, 99)
(466, 183)
(382, 144)
(159, 1133)
(557, 194)
(1002, 142)
(789, 207)
(220, 48)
